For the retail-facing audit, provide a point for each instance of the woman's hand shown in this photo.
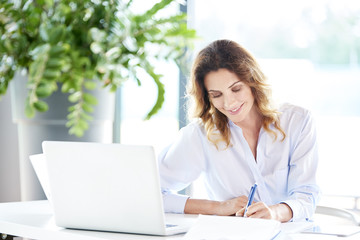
(230, 207)
(221, 208)
(236, 206)
(281, 212)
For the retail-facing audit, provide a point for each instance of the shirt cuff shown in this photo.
(174, 203)
(296, 210)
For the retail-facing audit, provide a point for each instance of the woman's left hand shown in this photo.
(281, 212)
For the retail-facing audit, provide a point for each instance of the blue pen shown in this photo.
(250, 198)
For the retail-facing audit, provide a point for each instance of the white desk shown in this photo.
(34, 220)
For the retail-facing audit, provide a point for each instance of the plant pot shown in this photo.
(50, 125)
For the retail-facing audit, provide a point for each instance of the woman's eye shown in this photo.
(215, 95)
(236, 89)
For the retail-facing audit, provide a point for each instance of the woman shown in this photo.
(238, 139)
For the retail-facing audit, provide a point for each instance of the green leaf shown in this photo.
(73, 115)
(75, 97)
(40, 50)
(113, 53)
(29, 110)
(43, 33)
(76, 130)
(56, 34)
(156, 8)
(113, 88)
(77, 80)
(90, 99)
(87, 108)
(51, 74)
(5, 78)
(55, 63)
(77, 121)
(49, 3)
(138, 81)
(57, 50)
(172, 19)
(37, 67)
(97, 47)
(86, 116)
(161, 90)
(72, 108)
(3, 87)
(44, 90)
(90, 85)
(41, 106)
(97, 35)
(66, 86)
(85, 62)
(83, 124)
(70, 123)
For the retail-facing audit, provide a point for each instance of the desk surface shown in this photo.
(34, 220)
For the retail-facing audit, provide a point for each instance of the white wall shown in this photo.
(9, 160)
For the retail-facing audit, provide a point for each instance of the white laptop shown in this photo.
(107, 187)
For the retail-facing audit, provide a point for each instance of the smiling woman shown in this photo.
(310, 52)
(233, 142)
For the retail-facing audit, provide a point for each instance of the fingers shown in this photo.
(240, 213)
(241, 201)
(259, 210)
(230, 207)
(256, 210)
(236, 206)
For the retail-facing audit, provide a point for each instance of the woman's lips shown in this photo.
(235, 110)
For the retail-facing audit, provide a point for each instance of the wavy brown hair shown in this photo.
(228, 55)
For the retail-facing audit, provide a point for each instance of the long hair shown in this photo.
(228, 55)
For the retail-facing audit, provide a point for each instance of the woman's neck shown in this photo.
(252, 123)
(251, 128)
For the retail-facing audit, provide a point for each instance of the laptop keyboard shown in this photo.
(168, 225)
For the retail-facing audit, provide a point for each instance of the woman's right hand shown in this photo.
(230, 207)
(221, 208)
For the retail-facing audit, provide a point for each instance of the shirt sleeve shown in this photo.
(302, 188)
(173, 202)
(179, 165)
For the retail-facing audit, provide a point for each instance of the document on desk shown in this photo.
(232, 228)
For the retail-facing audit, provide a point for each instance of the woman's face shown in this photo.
(230, 95)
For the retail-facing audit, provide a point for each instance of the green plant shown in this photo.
(76, 44)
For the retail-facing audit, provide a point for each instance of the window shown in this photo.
(136, 101)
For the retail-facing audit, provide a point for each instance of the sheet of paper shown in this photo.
(295, 227)
(232, 228)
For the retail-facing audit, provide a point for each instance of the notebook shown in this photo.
(107, 187)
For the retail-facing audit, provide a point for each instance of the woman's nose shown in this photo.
(229, 101)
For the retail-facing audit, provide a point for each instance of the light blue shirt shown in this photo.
(285, 171)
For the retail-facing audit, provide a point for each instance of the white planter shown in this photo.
(51, 126)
